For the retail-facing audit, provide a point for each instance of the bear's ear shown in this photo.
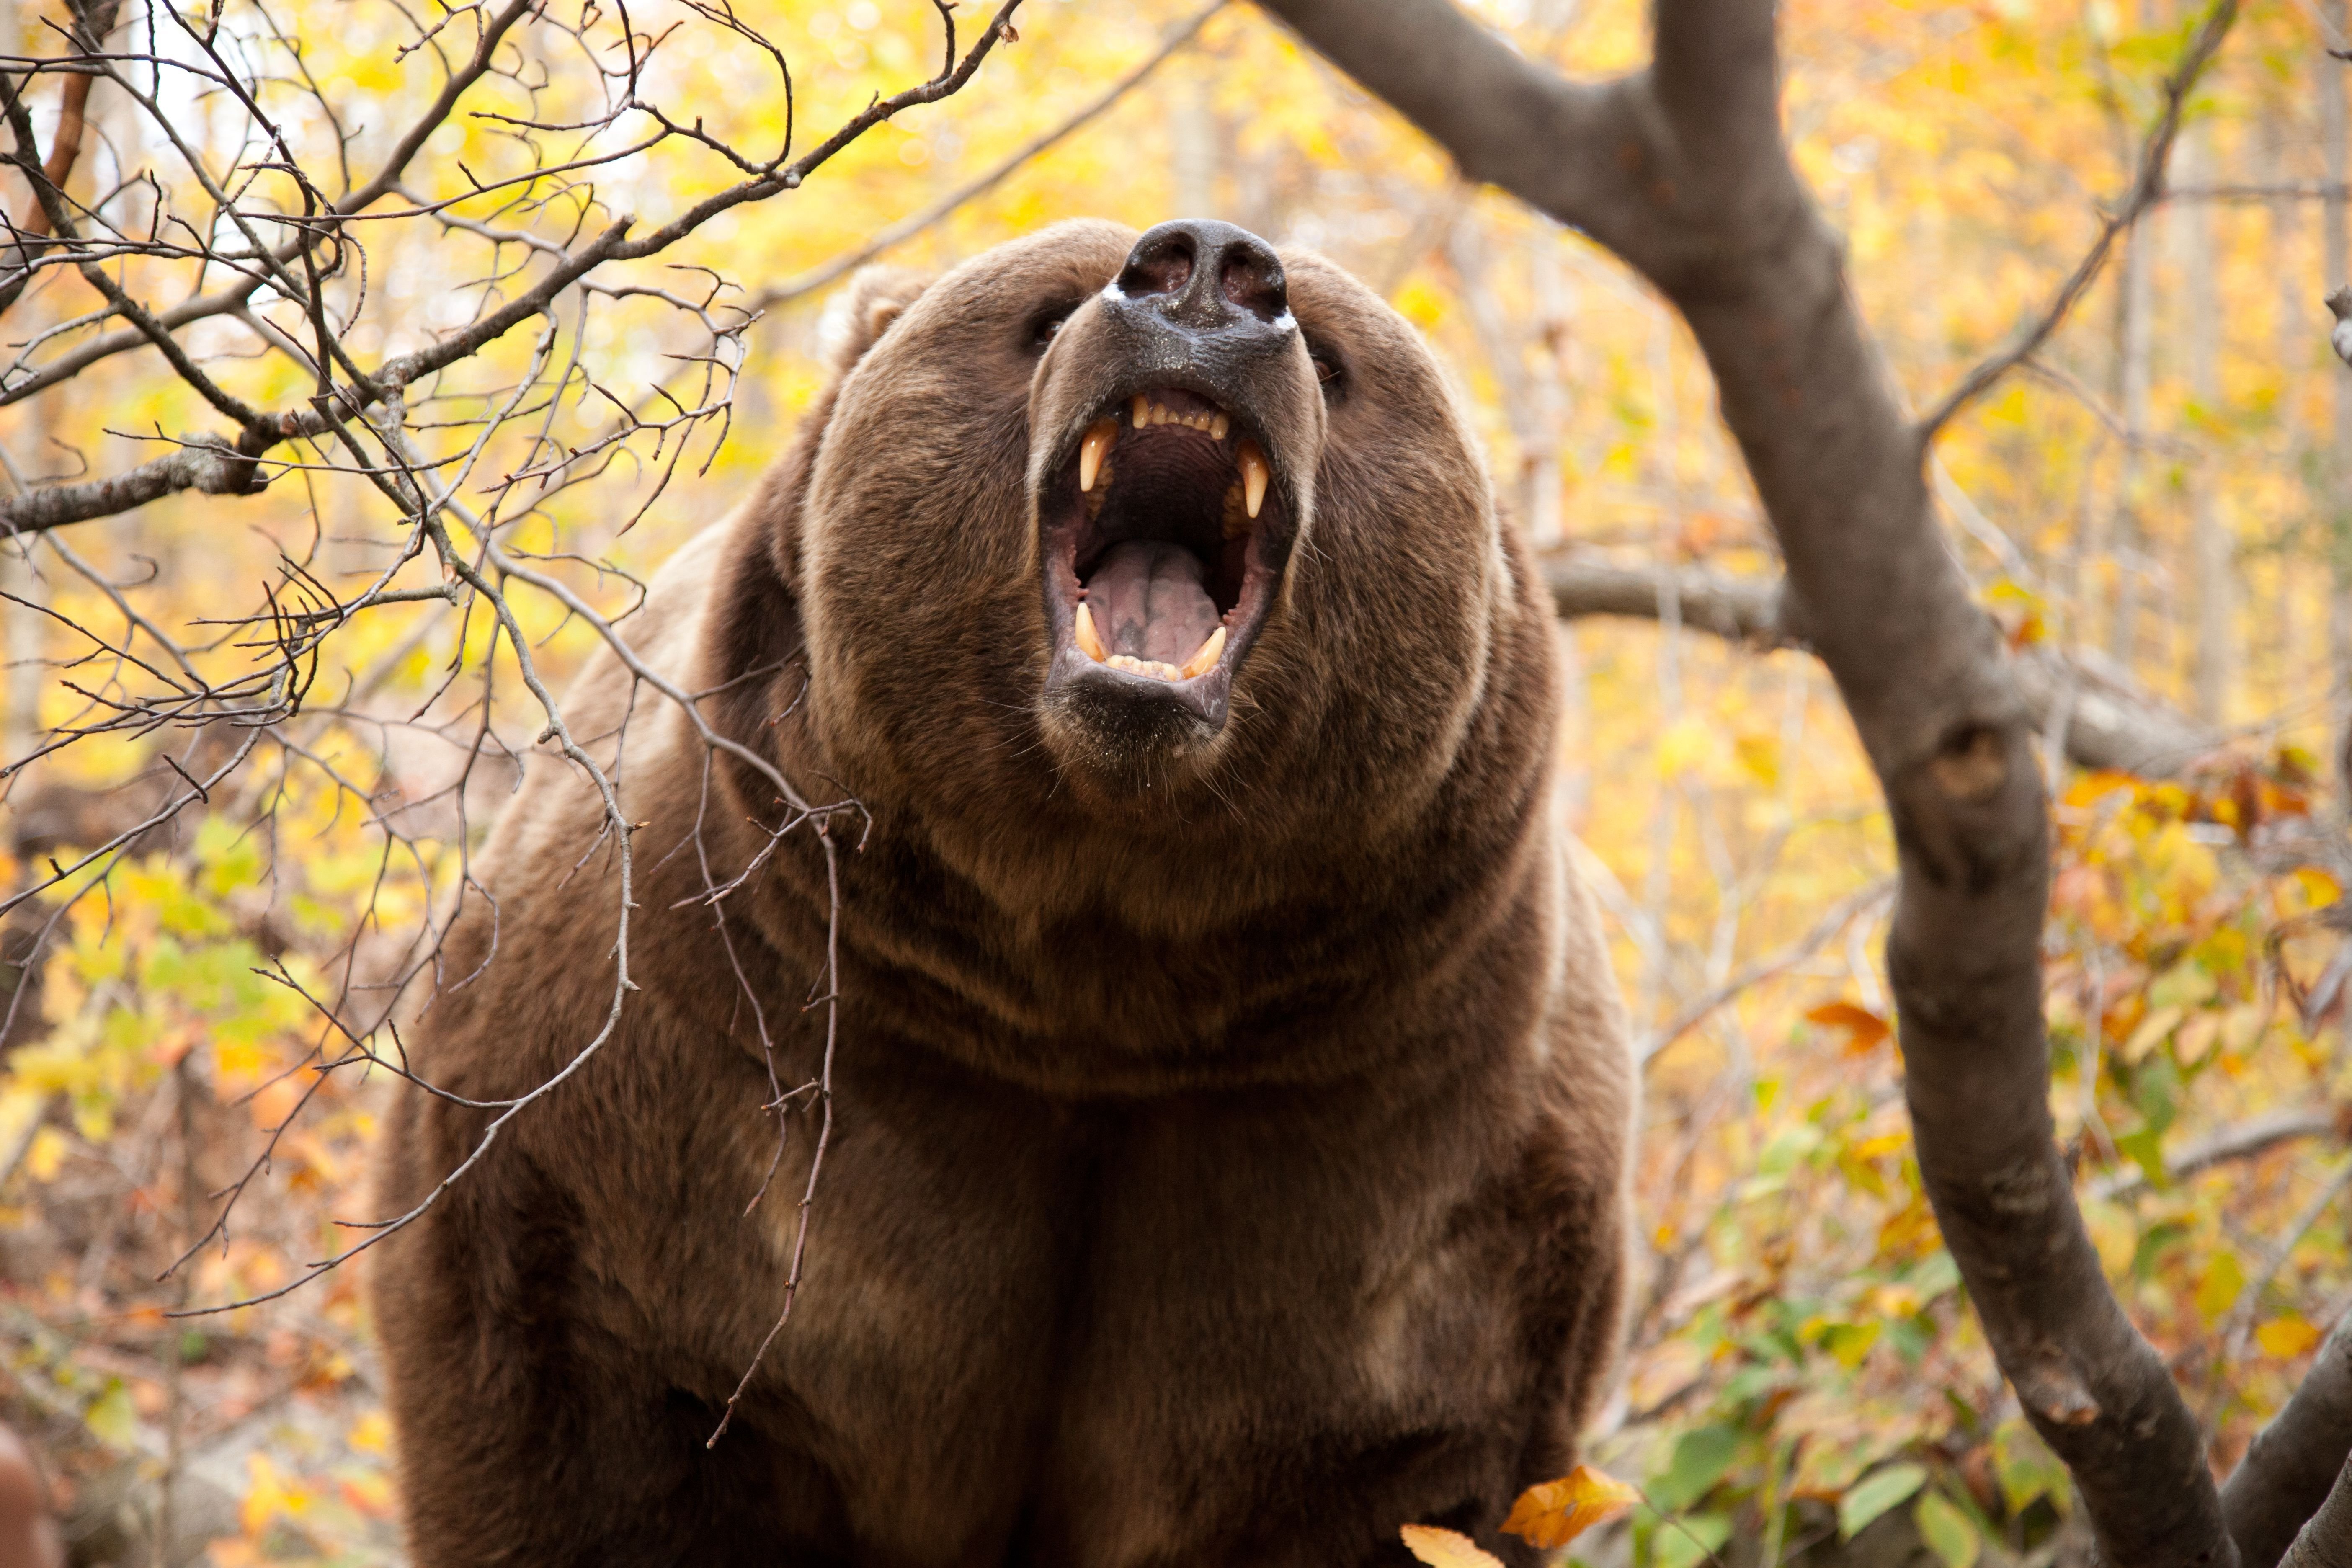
(856, 319)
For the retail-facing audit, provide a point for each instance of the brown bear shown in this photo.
(1230, 1104)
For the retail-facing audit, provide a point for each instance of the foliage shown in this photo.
(1804, 1369)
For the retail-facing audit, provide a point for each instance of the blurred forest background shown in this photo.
(2157, 509)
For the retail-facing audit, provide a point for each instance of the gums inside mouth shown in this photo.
(1161, 556)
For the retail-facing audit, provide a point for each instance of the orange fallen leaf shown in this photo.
(1446, 1548)
(1864, 1028)
(1557, 1512)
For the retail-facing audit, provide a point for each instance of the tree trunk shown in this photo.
(1681, 169)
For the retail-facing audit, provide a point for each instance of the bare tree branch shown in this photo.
(1736, 609)
(203, 463)
(386, 181)
(1826, 930)
(894, 235)
(2246, 1140)
(2146, 188)
(2108, 723)
(92, 23)
(2288, 1471)
(2293, 190)
(2327, 1541)
(261, 431)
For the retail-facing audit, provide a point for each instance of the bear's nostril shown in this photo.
(1252, 283)
(1204, 275)
(1162, 268)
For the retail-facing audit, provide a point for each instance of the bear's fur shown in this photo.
(1230, 1129)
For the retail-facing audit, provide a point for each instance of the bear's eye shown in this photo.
(1328, 370)
(1046, 323)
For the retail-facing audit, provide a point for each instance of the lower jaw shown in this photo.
(1131, 736)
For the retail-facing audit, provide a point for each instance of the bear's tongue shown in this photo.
(1149, 602)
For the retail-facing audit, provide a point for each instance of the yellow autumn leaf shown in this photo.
(371, 1493)
(1687, 743)
(2150, 1033)
(46, 1154)
(259, 1505)
(370, 1434)
(1557, 1512)
(111, 1417)
(2243, 1025)
(2287, 1337)
(1446, 1548)
(270, 1495)
(2195, 1038)
(2223, 1279)
(1760, 756)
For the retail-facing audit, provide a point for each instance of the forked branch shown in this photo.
(1682, 170)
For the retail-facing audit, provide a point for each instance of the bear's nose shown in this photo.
(1204, 274)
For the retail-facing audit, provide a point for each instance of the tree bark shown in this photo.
(2101, 721)
(2327, 1541)
(1681, 170)
(2287, 1473)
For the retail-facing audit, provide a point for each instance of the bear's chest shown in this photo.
(1063, 1329)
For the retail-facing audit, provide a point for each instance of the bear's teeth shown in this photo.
(1206, 655)
(1150, 666)
(1254, 476)
(1230, 519)
(1092, 450)
(1089, 640)
(1143, 413)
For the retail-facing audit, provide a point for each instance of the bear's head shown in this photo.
(1104, 524)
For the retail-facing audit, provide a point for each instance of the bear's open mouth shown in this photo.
(1162, 533)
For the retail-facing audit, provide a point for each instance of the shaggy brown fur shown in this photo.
(1231, 1137)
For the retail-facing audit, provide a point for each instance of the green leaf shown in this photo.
(1686, 1542)
(112, 1419)
(1931, 1277)
(2026, 1470)
(2144, 1149)
(1700, 1459)
(1848, 1343)
(2224, 1279)
(1874, 1494)
(2182, 985)
(1946, 1530)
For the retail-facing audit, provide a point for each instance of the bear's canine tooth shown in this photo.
(1089, 640)
(1254, 476)
(1206, 655)
(1090, 451)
